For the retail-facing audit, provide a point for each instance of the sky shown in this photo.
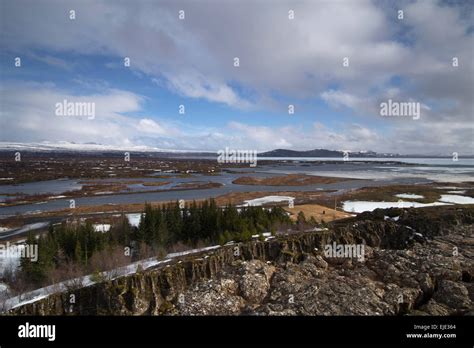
(289, 53)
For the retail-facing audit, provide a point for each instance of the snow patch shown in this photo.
(101, 227)
(191, 251)
(391, 218)
(409, 196)
(265, 234)
(266, 199)
(362, 206)
(134, 219)
(456, 199)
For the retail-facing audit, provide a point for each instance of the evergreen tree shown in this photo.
(78, 252)
(163, 235)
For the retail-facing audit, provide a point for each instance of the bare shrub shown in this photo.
(200, 244)
(109, 260)
(68, 272)
(145, 251)
(178, 247)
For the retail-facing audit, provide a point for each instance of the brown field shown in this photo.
(197, 185)
(156, 183)
(319, 212)
(51, 166)
(288, 180)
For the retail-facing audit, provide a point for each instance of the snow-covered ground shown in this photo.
(457, 199)
(10, 259)
(25, 228)
(134, 219)
(191, 251)
(264, 234)
(449, 188)
(266, 199)
(33, 226)
(361, 206)
(101, 227)
(395, 218)
(409, 196)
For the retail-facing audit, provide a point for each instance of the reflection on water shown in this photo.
(374, 173)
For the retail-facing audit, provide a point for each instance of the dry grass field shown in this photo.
(319, 212)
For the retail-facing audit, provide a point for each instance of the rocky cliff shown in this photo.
(416, 261)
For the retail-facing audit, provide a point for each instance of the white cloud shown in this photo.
(299, 60)
(353, 137)
(194, 85)
(28, 114)
(339, 98)
(147, 125)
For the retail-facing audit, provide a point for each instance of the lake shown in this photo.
(374, 172)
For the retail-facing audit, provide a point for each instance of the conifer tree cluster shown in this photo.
(206, 222)
(71, 243)
(160, 227)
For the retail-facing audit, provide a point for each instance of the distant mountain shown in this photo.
(335, 153)
(321, 153)
(92, 147)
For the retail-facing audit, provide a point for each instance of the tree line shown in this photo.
(78, 246)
